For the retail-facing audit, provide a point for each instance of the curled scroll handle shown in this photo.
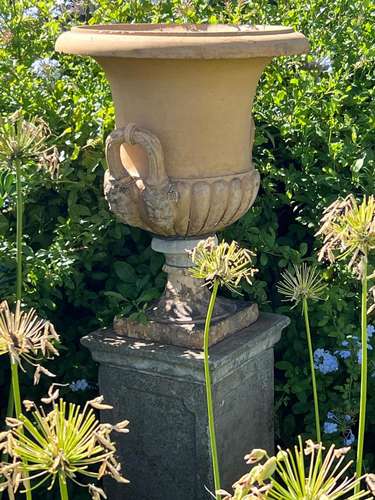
(132, 134)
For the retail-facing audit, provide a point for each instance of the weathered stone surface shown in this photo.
(176, 206)
(178, 317)
(160, 389)
(190, 335)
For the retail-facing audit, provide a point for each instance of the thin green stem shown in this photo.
(63, 487)
(18, 408)
(19, 230)
(16, 389)
(10, 407)
(207, 374)
(363, 400)
(10, 410)
(312, 368)
(19, 241)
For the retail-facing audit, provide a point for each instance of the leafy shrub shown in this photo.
(314, 141)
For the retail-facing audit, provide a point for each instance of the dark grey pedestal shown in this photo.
(160, 390)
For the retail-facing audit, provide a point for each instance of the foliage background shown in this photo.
(314, 142)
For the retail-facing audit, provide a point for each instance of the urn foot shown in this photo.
(178, 317)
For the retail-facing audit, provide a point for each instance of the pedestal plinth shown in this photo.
(160, 390)
(178, 317)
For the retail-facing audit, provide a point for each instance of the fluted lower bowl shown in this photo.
(184, 207)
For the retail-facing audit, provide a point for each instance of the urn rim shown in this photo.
(187, 29)
(182, 41)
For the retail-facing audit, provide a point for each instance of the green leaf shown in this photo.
(284, 365)
(303, 249)
(358, 164)
(115, 295)
(263, 259)
(4, 224)
(127, 290)
(148, 295)
(125, 272)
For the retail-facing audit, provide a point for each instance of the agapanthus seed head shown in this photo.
(39, 371)
(66, 440)
(98, 404)
(96, 493)
(307, 472)
(26, 140)
(315, 472)
(303, 283)
(13, 422)
(341, 452)
(53, 395)
(29, 405)
(26, 337)
(224, 263)
(370, 480)
(311, 447)
(348, 231)
(255, 456)
(121, 427)
(267, 470)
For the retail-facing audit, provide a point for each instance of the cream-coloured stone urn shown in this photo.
(179, 160)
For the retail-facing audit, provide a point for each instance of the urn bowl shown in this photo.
(179, 160)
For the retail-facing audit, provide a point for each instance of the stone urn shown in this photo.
(179, 160)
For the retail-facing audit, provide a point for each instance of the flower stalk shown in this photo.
(301, 286)
(16, 392)
(348, 228)
(364, 374)
(312, 369)
(16, 388)
(20, 142)
(63, 487)
(207, 375)
(19, 229)
(218, 265)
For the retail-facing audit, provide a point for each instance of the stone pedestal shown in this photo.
(160, 389)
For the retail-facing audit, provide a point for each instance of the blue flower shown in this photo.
(79, 385)
(62, 6)
(344, 354)
(325, 64)
(331, 416)
(359, 354)
(77, 7)
(325, 362)
(31, 12)
(46, 68)
(330, 427)
(349, 438)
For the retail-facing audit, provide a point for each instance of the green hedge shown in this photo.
(314, 142)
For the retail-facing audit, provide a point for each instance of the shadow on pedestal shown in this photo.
(160, 390)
